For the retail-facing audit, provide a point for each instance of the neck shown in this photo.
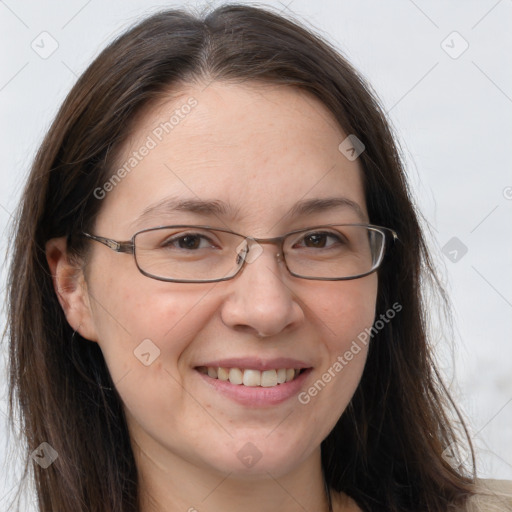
(171, 484)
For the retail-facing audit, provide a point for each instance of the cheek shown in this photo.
(141, 322)
(344, 309)
(144, 336)
(345, 313)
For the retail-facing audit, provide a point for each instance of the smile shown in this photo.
(251, 377)
(254, 383)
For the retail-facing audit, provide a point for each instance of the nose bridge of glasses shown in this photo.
(251, 247)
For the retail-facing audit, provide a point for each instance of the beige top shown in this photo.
(494, 496)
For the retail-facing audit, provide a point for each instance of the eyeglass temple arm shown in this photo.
(112, 244)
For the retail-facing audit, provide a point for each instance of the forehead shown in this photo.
(256, 149)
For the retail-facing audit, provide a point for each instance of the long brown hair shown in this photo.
(386, 451)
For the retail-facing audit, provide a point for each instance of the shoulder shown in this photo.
(491, 496)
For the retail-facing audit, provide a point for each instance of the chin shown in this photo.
(249, 457)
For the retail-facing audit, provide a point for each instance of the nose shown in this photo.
(260, 301)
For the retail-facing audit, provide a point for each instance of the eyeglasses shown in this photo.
(202, 254)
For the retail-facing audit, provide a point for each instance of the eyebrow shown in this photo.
(215, 208)
(171, 205)
(312, 206)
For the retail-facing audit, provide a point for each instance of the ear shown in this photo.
(71, 288)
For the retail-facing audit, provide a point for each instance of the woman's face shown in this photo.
(245, 158)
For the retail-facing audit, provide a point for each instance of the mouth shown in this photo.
(255, 383)
(251, 377)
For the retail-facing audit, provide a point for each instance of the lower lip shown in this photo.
(257, 396)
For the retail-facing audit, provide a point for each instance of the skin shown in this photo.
(260, 149)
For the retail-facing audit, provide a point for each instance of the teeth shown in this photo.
(269, 378)
(281, 375)
(222, 374)
(252, 378)
(235, 376)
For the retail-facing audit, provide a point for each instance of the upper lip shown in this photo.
(251, 363)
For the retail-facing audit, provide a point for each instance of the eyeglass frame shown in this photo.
(128, 247)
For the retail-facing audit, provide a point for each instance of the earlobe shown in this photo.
(71, 288)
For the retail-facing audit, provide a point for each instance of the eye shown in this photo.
(319, 240)
(190, 241)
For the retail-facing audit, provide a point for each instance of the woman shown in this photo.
(215, 297)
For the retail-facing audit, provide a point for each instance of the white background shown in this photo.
(453, 119)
